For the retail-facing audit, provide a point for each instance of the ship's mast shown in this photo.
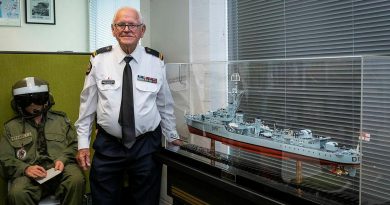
(235, 77)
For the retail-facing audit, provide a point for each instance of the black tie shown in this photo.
(126, 114)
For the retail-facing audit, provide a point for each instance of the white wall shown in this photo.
(208, 30)
(189, 30)
(183, 30)
(145, 11)
(70, 33)
(169, 29)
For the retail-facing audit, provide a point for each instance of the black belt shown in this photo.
(101, 130)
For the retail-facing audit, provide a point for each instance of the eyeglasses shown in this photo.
(122, 26)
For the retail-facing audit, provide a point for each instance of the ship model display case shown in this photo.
(314, 130)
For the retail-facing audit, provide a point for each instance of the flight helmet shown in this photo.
(28, 91)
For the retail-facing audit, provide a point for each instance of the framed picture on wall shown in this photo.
(40, 12)
(9, 12)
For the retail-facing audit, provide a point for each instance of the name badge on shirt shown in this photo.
(147, 79)
(22, 136)
(108, 82)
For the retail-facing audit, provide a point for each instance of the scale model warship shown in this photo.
(227, 126)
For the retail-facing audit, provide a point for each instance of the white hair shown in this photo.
(141, 20)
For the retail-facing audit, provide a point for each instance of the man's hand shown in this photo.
(83, 158)
(174, 145)
(177, 142)
(58, 165)
(35, 171)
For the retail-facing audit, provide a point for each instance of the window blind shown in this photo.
(101, 13)
(329, 98)
(294, 28)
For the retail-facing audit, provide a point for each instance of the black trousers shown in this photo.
(113, 163)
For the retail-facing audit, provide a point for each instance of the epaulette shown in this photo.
(89, 68)
(102, 50)
(57, 113)
(155, 53)
(60, 113)
(15, 117)
(95, 53)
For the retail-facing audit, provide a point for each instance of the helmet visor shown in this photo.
(27, 99)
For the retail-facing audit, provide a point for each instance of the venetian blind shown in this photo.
(324, 97)
(101, 13)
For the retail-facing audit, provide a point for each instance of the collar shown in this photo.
(40, 125)
(136, 54)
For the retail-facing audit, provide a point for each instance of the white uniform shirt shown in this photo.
(102, 95)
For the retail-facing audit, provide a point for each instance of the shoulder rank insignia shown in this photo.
(155, 53)
(89, 68)
(95, 53)
(102, 50)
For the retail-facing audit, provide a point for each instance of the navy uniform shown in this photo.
(153, 113)
(18, 150)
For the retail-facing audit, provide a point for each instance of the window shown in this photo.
(320, 28)
(101, 13)
(310, 28)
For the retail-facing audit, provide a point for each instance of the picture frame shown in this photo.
(10, 13)
(40, 12)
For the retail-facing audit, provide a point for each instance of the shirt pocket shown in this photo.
(57, 137)
(147, 86)
(24, 149)
(56, 143)
(107, 85)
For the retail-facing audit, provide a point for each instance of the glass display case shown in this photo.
(316, 128)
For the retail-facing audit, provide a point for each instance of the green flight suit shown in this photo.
(20, 147)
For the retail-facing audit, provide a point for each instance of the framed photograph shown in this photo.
(40, 12)
(9, 12)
